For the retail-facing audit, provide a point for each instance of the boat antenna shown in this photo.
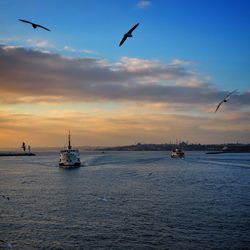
(69, 146)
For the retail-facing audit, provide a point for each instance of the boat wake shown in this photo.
(112, 160)
(231, 164)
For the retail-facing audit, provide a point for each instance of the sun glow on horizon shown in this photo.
(163, 83)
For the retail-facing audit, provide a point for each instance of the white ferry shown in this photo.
(69, 158)
(177, 153)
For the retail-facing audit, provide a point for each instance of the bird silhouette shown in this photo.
(128, 34)
(6, 197)
(5, 244)
(34, 25)
(225, 100)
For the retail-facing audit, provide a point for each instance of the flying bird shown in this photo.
(128, 34)
(34, 25)
(5, 244)
(104, 199)
(6, 197)
(225, 100)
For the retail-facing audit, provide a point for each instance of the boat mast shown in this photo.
(69, 146)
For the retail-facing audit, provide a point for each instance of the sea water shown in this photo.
(126, 200)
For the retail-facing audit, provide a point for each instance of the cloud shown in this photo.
(29, 76)
(39, 43)
(84, 51)
(142, 4)
(118, 128)
(88, 51)
(68, 48)
(6, 47)
(180, 62)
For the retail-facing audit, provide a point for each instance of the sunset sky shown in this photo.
(161, 85)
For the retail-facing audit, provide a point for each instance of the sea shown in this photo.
(126, 200)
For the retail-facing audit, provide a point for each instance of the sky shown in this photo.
(161, 85)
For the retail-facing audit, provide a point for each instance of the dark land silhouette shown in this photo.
(216, 148)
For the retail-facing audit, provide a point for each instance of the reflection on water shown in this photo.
(126, 200)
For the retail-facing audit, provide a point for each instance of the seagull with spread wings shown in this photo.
(128, 34)
(5, 244)
(34, 25)
(4, 196)
(225, 100)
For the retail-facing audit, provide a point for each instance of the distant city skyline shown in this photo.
(163, 83)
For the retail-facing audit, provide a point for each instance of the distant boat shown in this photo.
(69, 158)
(236, 148)
(177, 153)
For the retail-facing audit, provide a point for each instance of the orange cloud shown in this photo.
(118, 128)
(157, 102)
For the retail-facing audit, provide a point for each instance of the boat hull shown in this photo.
(177, 153)
(70, 157)
(76, 165)
(178, 156)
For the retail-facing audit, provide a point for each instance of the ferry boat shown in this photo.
(177, 153)
(69, 158)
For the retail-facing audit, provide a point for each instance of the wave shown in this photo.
(232, 164)
(119, 160)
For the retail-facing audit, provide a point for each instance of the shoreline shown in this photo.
(16, 154)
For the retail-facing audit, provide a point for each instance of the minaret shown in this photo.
(69, 146)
